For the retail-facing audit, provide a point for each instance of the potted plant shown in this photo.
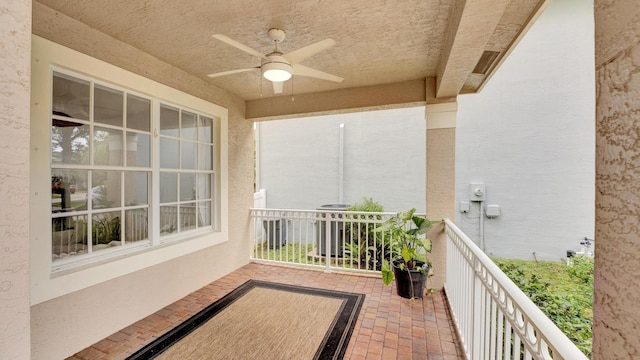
(409, 266)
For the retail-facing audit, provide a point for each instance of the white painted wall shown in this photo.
(384, 157)
(530, 135)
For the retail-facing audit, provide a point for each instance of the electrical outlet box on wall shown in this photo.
(477, 192)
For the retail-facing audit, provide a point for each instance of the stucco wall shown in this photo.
(529, 135)
(384, 157)
(66, 324)
(15, 27)
(616, 318)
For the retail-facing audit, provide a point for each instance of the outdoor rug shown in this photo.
(263, 320)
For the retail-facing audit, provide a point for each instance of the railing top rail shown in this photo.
(565, 348)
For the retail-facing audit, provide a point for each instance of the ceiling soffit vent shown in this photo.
(485, 62)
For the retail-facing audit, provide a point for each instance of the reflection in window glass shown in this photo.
(187, 187)
(69, 236)
(68, 190)
(204, 186)
(106, 230)
(106, 189)
(189, 130)
(70, 97)
(188, 154)
(168, 187)
(204, 213)
(138, 113)
(187, 216)
(107, 105)
(107, 146)
(136, 188)
(168, 219)
(169, 121)
(205, 156)
(169, 153)
(138, 149)
(69, 142)
(136, 228)
(205, 129)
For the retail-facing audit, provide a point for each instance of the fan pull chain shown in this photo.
(292, 97)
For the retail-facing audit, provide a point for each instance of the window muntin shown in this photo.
(102, 169)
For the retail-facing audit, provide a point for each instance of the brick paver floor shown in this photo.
(389, 327)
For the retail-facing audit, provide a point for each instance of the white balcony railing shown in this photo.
(320, 238)
(495, 319)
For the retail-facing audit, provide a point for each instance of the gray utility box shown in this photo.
(336, 229)
(276, 232)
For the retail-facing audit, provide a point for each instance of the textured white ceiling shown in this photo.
(378, 41)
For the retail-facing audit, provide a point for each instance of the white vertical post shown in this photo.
(341, 167)
(327, 243)
(476, 341)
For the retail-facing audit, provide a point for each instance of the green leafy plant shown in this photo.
(106, 229)
(408, 246)
(365, 246)
(564, 293)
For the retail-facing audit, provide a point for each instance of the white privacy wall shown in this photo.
(383, 158)
(529, 136)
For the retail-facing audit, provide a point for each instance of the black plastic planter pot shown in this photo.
(410, 284)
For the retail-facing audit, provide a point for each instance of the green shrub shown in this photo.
(364, 247)
(564, 293)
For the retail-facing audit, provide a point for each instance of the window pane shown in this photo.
(106, 190)
(138, 149)
(69, 236)
(205, 129)
(169, 121)
(189, 126)
(187, 187)
(136, 188)
(204, 186)
(205, 155)
(69, 142)
(187, 216)
(105, 231)
(204, 214)
(136, 225)
(168, 219)
(68, 190)
(169, 150)
(138, 113)
(107, 146)
(168, 187)
(107, 105)
(70, 97)
(188, 155)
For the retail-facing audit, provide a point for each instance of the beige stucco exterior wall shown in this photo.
(441, 150)
(15, 27)
(116, 303)
(616, 313)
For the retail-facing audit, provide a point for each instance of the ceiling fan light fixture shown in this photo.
(277, 71)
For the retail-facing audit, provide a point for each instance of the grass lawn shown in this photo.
(564, 293)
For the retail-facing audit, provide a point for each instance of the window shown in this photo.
(104, 160)
(186, 170)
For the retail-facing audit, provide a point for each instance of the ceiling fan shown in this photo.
(278, 67)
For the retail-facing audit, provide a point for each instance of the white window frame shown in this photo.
(50, 281)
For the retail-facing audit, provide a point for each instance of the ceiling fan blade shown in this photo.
(277, 87)
(302, 70)
(297, 56)
(239, 45)
(231, 72)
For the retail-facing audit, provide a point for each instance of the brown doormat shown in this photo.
(263, 320)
